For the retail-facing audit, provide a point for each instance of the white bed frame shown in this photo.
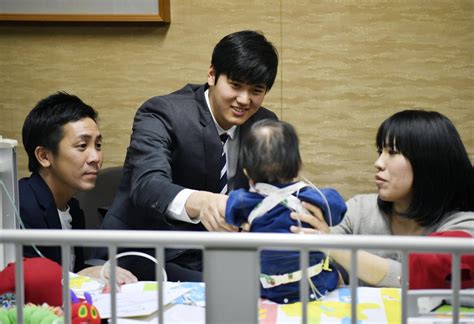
(235, 257)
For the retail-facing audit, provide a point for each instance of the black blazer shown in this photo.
(174, 145)
(38, 211)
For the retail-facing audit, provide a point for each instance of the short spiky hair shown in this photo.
(44, 124)
(270, 152)
(246, 56)
(443, 179)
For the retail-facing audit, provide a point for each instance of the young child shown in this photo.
(271, 160)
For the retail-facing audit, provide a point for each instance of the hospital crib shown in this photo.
(235, 257)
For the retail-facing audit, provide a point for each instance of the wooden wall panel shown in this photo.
(345, 66)
(348, 65)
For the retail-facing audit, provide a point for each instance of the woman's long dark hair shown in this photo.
(443, 177)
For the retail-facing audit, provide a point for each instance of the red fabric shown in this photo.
(42, 278)
(429, 271)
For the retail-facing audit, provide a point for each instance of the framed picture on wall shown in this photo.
(85, 10)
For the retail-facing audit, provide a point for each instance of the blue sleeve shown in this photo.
(336, 203)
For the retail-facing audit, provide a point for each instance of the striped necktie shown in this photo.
(222, 185)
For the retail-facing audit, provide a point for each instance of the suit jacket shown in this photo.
(174, 145)
(38, 211)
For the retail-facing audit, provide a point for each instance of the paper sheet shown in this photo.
(138, 299)
(81, 284)
(375, 305)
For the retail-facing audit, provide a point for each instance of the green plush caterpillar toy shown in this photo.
(32, 314)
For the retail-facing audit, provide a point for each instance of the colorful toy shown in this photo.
(32, 314)
(84, 312)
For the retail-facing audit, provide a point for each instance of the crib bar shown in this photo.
(20, 289)
(233, 240)
(65, 262)
(232, 285)
(354, 283)
(304, 264)
(455, 285)
(112, 283)
(232, 260)
(159, 252)
(404, 284)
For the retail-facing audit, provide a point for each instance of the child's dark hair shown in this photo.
(44, 124)
(270, 152)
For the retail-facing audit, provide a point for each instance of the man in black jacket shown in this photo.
(183, 153)
(63, 143)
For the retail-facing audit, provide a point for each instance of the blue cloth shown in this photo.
(239, 206)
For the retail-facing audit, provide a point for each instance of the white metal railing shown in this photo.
(236, 253)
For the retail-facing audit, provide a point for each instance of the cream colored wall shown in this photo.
(345, 66)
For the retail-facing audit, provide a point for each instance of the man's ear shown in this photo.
(43, 156)
(211, 76)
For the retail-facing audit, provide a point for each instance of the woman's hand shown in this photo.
(316, 220)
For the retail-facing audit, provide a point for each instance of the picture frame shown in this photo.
(86, 10)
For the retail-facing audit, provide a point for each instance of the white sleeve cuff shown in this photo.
(176, 209)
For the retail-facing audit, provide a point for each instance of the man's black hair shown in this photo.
(44, 124)
(246, 56)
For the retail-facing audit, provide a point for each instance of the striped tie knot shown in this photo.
(224, 138)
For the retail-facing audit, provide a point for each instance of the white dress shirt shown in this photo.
(66, 224)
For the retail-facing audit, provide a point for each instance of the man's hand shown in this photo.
(122, 276)
(210, 209)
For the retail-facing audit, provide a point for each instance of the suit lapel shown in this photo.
(211, 142)
(46, 201)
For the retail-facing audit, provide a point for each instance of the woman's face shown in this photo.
(394, 178)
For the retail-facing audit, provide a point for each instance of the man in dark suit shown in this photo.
(178, 166)
(63, 143)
